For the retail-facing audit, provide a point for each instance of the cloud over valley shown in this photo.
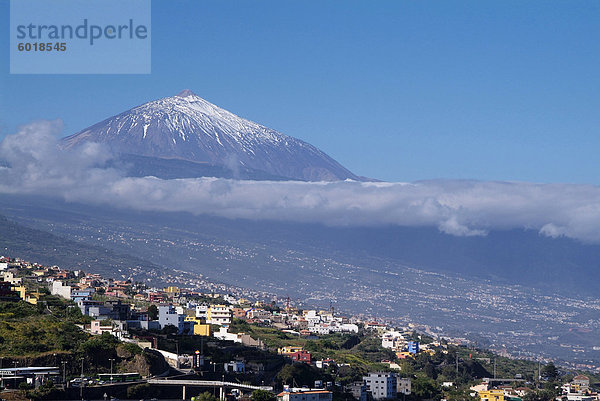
(34, 164)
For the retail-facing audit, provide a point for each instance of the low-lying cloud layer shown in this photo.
(462, 208)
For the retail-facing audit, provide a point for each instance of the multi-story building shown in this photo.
(582, 382)
(167, 315)
(202, 312)
(312, 317)
(201, 328)
(77, 295)
(58, 288)
(119, 310)
(239, 313)
(403, 386)
(301, 356)
(11, 278)
(258, 314)
(235, 367)
(393, 340)
(381, 385)
(358, 390)
(155, 297)
(218, 314)
(413, 347)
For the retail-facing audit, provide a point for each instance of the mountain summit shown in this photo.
(187, 128)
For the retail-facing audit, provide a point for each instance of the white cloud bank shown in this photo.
(462, 208)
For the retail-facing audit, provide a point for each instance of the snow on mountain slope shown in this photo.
(187, 127)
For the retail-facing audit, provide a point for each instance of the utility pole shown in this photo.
(494, 368)
(457, 365)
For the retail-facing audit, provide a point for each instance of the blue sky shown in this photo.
(395, 90)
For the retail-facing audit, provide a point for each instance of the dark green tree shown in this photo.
(299, 374)
(262, 395)
(425, 388)
(431, 371)
(540, 395)
(206, 396)
(153, 312)
(139, 391)
(550, 372)
(169, 329)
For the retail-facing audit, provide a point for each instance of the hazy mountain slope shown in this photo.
(187, 127)
(40, 246)
(507, 257)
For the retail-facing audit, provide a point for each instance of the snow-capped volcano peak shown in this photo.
(186, 93)
(187, 127)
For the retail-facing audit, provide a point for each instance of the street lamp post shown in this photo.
(222, 389)
(15, 363)
(82, 382)
(111, 369)
(64, 364)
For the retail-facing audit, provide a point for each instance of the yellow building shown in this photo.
(491, 395)
(172, 290)
(404, 355)
(32, 298)
(201, 328)
(289, 350)
(244, 301)
(21, 290)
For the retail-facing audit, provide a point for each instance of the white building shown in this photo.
(312, 317)
(219, 314)
(344, 328)
(9, 277)
(235, 367)
(259, 314)
(393, 340)
(168, 316)
(321, 329)
(223, 334)
(58, 288)
(202, 311)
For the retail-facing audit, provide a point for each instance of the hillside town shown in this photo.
(143, 315)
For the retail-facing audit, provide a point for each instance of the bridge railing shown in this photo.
(208, 383)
